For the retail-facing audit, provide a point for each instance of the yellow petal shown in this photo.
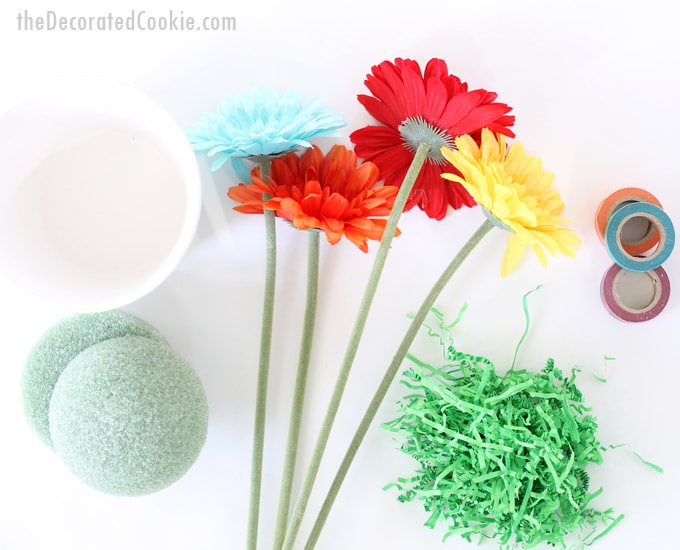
(513, 187)
(513, 254)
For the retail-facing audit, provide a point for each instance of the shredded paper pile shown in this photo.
(501, 456)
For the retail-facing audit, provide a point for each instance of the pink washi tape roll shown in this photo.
(612, 299)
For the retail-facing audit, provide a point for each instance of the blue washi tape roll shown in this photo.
(657, 217)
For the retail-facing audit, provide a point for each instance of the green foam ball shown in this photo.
(128, 416)
(60, 344)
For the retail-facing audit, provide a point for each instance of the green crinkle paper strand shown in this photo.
(501, 456)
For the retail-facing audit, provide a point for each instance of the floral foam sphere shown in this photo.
(128, 416)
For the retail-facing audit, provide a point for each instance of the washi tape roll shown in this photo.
(657, 217)
(646, 237)
(611, 294)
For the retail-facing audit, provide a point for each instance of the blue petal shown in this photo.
(218, 162)
(240, 168)
(261, 122)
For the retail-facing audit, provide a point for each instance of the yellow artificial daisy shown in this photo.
(516, 193)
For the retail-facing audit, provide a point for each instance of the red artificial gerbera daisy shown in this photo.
(432, 107)
(329, 193)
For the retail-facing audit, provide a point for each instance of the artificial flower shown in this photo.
(515, 191)
(330, 193)
(259, 126)
(261, 123)
(432, 107)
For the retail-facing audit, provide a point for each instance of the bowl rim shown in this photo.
(176, 143)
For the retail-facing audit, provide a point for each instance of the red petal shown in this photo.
(499, 126)
(457, 196)
(454, 86)
(458, 107)
(371, 140)
(394, 160)
(436, 68)
(395, 177)
(380, 111)
(414, 98)
(433, 199)
(378, 85)
(390, 88)
(406, 64)
(436, 100)
(479, 118)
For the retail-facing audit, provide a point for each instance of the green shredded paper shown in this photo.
(503, 457)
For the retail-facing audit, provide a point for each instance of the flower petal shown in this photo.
(334, 207)
(261, 122)
(321, 192)
(379, 110)
(480, 117)
(401, 92)
(514, 189)
(513, 254)
(373, 140)
(458, 107)
(436, 100)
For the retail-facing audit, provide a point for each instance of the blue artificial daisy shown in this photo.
(261, 123)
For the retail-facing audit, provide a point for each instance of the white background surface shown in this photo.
(594, 86)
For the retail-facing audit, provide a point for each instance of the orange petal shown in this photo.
(249, 209)
(334, 230)
(304, 222)
(372, 229)
(244, 193)
(312, 187)
(364, 177)
(312, 205)
(289, 209)
(334, 207)
(358, 238)
(311, 158)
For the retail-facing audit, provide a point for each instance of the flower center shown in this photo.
(416, 130)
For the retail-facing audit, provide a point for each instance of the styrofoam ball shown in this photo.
(128, 416)
(61, 343)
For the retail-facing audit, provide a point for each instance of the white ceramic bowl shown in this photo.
(100, 194)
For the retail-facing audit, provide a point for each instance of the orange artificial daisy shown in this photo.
(330, 193)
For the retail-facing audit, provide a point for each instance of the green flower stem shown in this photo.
(263, 368)
(397, 360)
(353, 344)
(300, 386)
